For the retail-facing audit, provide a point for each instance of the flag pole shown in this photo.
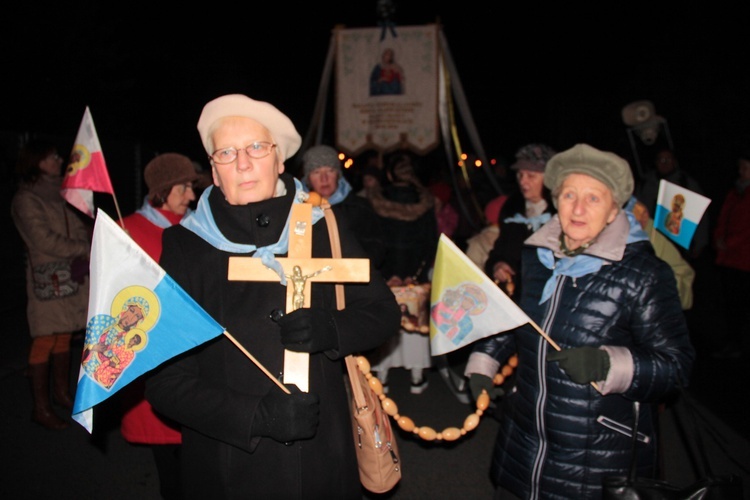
(543, 334)
(257, 363)
(117, 208)
(554, 344)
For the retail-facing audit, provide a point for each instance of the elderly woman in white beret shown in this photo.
(593, 284)
(243, 437)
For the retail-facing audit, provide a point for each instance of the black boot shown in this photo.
(42, 413)
(61, 379)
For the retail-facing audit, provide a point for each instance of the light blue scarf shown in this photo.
(154, 216)
(534, 223)
(202, 223)
(580, 265)
(342, 191)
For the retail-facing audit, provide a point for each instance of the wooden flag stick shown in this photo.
(543, 334)
(554, 344)
(257, 363)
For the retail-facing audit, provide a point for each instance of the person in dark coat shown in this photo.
(243, 437)
(593, 283)
(407, 214)
(406, 209)
(323, 175)
(523, 213)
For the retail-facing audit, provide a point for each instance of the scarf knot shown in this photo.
(202, 223)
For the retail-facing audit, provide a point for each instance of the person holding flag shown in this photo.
(243, 437)
(615, 333)
(56, 238)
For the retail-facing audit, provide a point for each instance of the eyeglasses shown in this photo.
(255, 150)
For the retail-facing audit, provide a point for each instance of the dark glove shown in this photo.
(309, 330)
(479, 382)
(287, 417)
(582, 364)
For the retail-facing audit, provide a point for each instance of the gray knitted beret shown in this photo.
(321, 156)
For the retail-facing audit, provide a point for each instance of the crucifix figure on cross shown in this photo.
(298, 282)
(296, 364)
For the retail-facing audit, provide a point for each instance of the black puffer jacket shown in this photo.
(554, 441)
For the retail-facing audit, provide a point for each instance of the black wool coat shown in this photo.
(214, 389)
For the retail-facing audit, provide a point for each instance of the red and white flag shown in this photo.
(86, 171)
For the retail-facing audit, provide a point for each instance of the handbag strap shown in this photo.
(333, 235)
(351, 361)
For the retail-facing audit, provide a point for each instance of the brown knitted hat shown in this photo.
(167, 170)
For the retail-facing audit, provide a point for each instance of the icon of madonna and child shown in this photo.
(452, 313)
(112, 341)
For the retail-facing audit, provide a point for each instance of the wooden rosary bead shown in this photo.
(427, 433)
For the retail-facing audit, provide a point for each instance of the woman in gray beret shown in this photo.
(323, 175)
(593, 284)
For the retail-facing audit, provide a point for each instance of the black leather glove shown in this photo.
(582, 364)
(309, 330)
(479, 382)
(287, 417)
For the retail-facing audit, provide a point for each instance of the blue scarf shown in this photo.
(202, 223)
(534, 223)
(342, 191)
(582, 264)
(154, 216)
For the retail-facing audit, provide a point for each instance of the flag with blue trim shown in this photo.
(678, 212)
(138, 318)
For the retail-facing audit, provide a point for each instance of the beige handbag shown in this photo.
(376, 447)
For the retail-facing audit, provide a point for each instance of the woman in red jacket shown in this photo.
(169, 178)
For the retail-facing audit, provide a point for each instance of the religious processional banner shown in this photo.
(138, 317)
(386, 89)
(678, 212)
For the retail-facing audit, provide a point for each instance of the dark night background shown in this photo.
(559, 74)
(554, 72)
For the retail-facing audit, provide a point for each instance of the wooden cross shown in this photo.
(300, 269)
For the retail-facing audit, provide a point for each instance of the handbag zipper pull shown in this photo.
(378, 439)
(393, 454)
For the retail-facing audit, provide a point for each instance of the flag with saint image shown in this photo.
(465, 305)
(138, 318)
(86, 171)
(678, 212)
